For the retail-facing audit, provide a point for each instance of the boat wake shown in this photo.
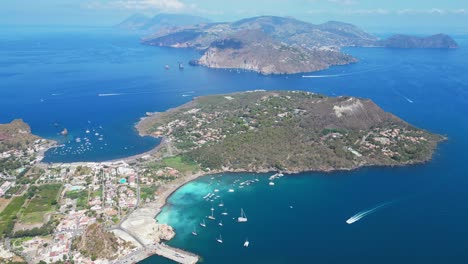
(409, 100)
(110, 94)
(365, 213)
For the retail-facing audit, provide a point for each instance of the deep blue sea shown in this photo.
(103, 81)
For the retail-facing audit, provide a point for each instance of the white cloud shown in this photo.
(381, 11)
(140, 5)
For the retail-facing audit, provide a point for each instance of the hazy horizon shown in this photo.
(415, 17)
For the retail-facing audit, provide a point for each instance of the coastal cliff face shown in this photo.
(439, 41)
(269, 45)
(254, 53)
(279, 45)
(291, 131)
(16, 135)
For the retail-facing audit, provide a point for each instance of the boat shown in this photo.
(167, 67)
(194, 232)
(212, 209)
(246, 243)
(225, 212)
(220, 223)
(231, 190)
(221, 204)
(242, 218)
(203, 224)
(211, 217)
(181, 66)
(271, 183)
(216, 190)
(219, 239)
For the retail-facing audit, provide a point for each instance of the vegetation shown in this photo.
(287, 130)
(148, 191)
(96, 243)
(81, 197)
(180, 163)
(9, 215)
(43, 200)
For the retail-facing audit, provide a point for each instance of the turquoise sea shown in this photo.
(103, 80)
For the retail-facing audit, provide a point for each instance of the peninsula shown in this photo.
(291, 131)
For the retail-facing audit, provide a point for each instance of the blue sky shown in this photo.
(376, 15)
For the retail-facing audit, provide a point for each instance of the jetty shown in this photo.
(175, 254)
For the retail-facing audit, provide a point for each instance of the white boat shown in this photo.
(212, 208)
(246, 243)
(242, 218)
(206, 196)
(225, 212)
(211, 217)
(87, 131)
(203, 223)
(231, 190)
(271, 183)
(220, 223)
(216, 190)
(219, 239)
(221, 204)
(194, 232)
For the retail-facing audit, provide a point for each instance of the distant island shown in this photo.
(290, 131)
(439, 41)
(280, 45)
(146, 24)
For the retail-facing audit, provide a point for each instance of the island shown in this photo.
(280, 45)
(439, 41)
(289, 131)
(105, 212)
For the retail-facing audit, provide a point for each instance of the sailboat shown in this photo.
(242, 218)
(203, 224)
(194, 232)
(211, 217)
(221, 204)
(219, 239)
(220, 223)
(246, 243)
(225, 212)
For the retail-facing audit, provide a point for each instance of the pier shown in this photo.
(175, 254)
(160, 249)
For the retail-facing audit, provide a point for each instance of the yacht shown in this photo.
(225, 212)
(219, 239)
(246, 243)
(211, 217)
(194, 232)
(203, 224)
(242, 218)
(220, 223)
